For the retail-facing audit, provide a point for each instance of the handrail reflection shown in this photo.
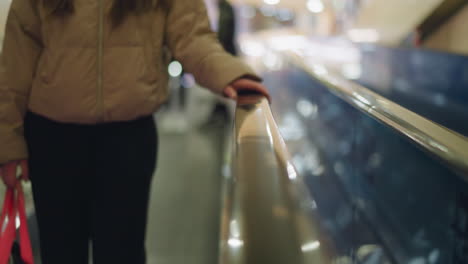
(443, 143)
(268, 216)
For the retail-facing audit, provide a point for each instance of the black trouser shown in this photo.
(91, 183)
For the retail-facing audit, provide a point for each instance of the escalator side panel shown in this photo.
(373, 187)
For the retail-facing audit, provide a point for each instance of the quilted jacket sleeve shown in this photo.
(18, 62)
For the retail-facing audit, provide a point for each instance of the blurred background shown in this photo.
(371, 98)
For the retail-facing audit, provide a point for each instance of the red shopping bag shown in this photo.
(13, 208)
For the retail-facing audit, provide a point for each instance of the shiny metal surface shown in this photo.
(443, 143)
(431, 84)
(268, 214)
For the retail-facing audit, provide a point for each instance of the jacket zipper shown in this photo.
(100, 103)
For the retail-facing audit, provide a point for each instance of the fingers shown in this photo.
(246, 84)
(230, 92)
(24, 170)
(9, 174)
(250, 85)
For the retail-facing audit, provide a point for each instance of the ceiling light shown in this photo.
(315, 6)
(271, 2)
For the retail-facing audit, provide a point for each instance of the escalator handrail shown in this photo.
(443, 143)
(268, 214)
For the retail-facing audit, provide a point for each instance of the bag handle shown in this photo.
(7, 206)
(25, 241)
(11, 209)
(8, 227)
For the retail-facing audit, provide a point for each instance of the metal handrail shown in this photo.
(443, 143)
(268, 214)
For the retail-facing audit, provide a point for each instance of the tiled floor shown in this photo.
(184, 214)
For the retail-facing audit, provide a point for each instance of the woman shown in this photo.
(80, 81)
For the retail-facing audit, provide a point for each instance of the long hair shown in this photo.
(120, 10)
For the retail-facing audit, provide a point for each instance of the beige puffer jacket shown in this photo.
(82, 70)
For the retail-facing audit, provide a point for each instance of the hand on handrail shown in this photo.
(245, 85)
